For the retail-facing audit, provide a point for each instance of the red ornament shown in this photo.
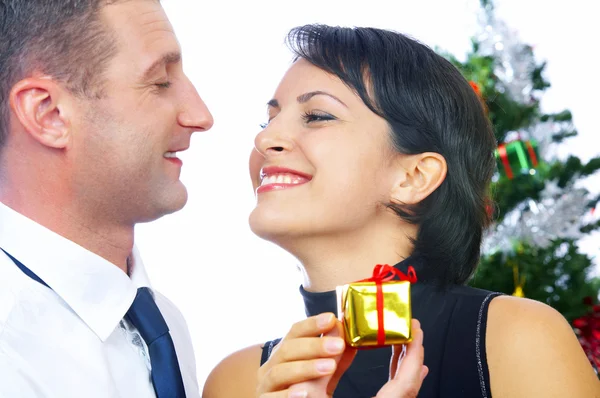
(477, 90)
(580, 323)
(587, 329)
(475, 87)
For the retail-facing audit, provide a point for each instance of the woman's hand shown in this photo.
(406, 374)
(313, 351)
(304, 365)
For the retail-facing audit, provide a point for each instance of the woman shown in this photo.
(378, 151)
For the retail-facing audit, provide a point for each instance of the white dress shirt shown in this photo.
(71, 340)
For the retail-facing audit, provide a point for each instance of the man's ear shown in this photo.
(417, 177)
(36, 104)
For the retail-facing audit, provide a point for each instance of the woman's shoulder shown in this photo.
(235, 375)
(463, 307)
(470, 292)
(532, 351)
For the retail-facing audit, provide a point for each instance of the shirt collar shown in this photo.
(98, 291)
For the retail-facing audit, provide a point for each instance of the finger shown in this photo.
(395, 389)
(313, 326)
(288, 393)
(404, 385)
(299, 351)
(410, 373)
(283, 375)
(278, 394)
(415, 354)
(307, 348)
(316, 388)
(343, 365)
(396, 352)
(310, 389)
(344, 360)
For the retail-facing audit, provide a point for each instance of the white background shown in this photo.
(235, 289)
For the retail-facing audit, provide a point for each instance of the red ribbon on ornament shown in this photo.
(504, 158)
(385, 273)
(534, 160)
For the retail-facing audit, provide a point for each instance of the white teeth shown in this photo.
(270, 180)
(171, 154)
(284, 178)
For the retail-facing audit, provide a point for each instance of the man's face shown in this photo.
(125, 143)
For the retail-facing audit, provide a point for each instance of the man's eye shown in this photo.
(163, 85)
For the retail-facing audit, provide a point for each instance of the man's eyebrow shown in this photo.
(273, 103)
(167, 59)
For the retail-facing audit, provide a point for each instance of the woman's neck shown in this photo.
(330, 261)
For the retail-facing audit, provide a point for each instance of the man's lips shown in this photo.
(171, 155)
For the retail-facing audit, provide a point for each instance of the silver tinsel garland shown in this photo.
(515, 60)
(560, 212)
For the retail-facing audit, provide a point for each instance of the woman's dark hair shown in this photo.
(429, 107)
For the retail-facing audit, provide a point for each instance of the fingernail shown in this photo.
(325, 365)
(334, 345)
(324, 319)
(298, 394)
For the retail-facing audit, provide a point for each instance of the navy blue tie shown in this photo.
(146, 317)
(26, 270)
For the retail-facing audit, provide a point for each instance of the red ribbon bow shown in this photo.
(385, 273)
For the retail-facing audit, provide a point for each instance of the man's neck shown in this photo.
(108, 240)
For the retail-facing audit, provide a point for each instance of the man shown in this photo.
(94, 106)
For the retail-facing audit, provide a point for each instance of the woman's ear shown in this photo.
(418, 176)
(35, 101)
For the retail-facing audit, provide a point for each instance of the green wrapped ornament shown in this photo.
(517, 157)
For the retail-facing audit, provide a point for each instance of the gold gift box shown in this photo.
(357, 309)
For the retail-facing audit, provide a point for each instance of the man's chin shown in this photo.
(168, 205)
(177, 202)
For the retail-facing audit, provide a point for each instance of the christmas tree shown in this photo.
(539, 211)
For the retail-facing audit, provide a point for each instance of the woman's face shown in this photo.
(324, 164)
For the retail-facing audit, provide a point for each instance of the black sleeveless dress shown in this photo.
(453, 320)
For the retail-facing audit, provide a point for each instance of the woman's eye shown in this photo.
(317, 117)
